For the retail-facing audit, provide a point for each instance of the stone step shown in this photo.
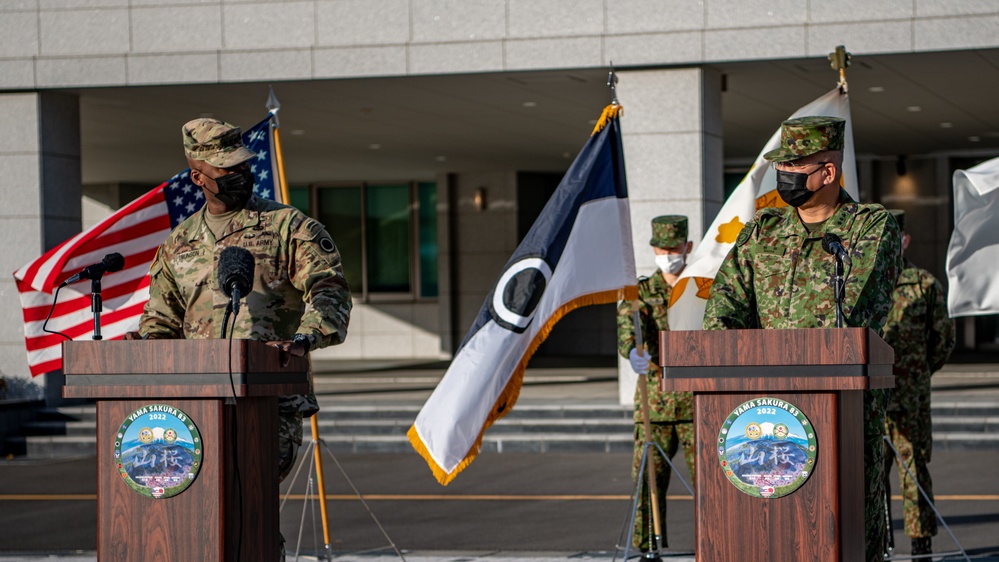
(963, 441)
(546, 443)
(86, 412)
(966, 408)
(967, 424)
(528, 428)
(504, 426)
(60, 428)
(341, 411)
(59, 446)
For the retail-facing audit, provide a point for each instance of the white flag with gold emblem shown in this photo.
(756, 191)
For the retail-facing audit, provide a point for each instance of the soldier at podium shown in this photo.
(922, 335)
(671, 413)
(778, 276)
(300, 299)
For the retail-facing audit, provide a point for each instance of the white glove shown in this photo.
(639, 362)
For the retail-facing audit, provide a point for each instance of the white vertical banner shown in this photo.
(973, 253)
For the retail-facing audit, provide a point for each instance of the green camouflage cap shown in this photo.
(805, 136)
(669, 231)
(899, 215)
(216, 142)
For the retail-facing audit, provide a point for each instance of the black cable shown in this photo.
(55, 299)
(235, 441)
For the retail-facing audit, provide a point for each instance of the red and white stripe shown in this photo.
(135, 231)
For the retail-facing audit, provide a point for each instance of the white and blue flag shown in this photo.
(578, 252)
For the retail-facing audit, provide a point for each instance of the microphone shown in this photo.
(235, 273)
(111, 262)
(832, 244)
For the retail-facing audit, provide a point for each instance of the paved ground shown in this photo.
(509, 507)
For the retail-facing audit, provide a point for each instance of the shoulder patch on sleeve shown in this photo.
(747, 232)
(311, 230)
(326, 243)
(308, 229)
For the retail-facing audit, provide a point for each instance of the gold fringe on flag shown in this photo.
(508, 398)
(612, 111)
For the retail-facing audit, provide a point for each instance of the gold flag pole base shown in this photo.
(655, 542)
(322, 485)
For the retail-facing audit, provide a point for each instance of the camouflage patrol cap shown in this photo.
(899, 215)
(805, 136)
(669, 231)
(216, 142)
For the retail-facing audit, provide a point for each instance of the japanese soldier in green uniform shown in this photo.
(671, 413)
(922, 335)
(778, 276)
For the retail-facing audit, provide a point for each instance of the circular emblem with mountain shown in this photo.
(767, 448)
(157, 451)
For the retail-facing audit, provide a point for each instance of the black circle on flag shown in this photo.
(518, 292)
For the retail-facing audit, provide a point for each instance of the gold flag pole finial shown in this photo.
(615, 108)
(839, 60)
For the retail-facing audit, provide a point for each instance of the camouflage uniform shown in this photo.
(671, 413)
(922, 335)
(777, 276)
(298, 286)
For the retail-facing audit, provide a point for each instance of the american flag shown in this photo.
(135, 231)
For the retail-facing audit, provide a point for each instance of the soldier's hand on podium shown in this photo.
(132, 336)
(291, 347)
(639, 361)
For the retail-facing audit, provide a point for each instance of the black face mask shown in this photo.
(235, 188)
(791, 186)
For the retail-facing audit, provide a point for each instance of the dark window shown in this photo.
(386, 234)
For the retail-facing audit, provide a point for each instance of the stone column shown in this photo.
(40, 188)
(672, 134)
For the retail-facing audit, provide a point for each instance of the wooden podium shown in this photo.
(823, 373)
(219, 513)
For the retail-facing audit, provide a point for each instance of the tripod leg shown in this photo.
(628, 530)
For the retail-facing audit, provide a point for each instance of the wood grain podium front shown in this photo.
(219, 513)
(822, 373)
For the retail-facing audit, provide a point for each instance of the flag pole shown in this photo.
(839, 60)
(273, 106)
(643, 389)
(655, 542)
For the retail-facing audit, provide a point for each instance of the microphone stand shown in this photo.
(96, 305)
(838, 286)
(225, 318)
(231, 308)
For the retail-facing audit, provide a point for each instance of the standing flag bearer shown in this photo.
(667, 417)
(578, 252)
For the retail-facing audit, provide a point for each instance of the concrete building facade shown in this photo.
(466, 112)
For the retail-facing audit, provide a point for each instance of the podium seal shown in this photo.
(158, 451)
(767, 448)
